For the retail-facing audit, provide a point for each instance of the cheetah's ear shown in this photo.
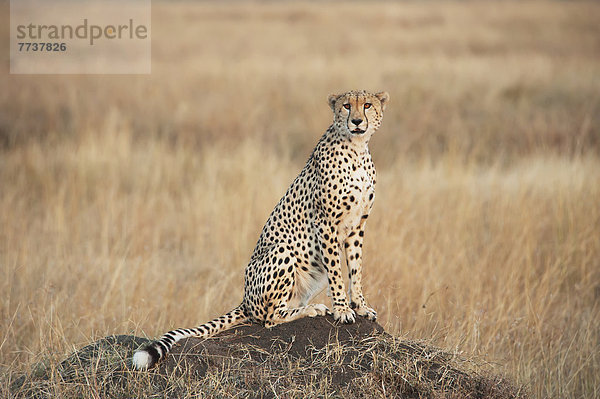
(384, 97)
(332, 99)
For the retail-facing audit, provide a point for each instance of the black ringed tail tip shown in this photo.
(151, 354)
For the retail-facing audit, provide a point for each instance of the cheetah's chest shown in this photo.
(360, 191)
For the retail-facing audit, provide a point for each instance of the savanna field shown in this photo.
(131, 204)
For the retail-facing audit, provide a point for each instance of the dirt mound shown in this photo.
(310, 357)
(296, 340)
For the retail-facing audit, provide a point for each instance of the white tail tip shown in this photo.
(141, 360)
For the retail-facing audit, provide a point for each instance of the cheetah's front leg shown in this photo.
(331, 260)
(353, 246)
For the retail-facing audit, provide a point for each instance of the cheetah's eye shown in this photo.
(367, 105)
(347, 106)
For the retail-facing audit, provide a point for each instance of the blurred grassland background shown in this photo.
(130, 204)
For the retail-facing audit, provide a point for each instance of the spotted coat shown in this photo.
(321, 216)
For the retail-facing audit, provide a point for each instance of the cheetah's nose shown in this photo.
(357, 121)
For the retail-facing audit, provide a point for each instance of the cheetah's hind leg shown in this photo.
(285, 315)
(280, 288)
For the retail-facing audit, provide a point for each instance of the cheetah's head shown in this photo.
(358, 112)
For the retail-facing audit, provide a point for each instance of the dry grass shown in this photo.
(131, 204)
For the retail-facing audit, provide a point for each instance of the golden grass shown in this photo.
(131, 204)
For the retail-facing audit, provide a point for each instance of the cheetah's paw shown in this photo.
(363, 310)
(367, 312)
(317, 309)
(344, 315)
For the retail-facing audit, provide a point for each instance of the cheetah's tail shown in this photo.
(149, 355)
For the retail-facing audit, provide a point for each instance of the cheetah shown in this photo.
(297, 255)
